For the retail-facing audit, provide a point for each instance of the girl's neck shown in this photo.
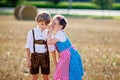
(59, 29)
(54, 32)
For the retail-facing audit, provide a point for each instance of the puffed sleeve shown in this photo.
(51, 48)
(60, 36)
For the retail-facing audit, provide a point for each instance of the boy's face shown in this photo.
(42, 25)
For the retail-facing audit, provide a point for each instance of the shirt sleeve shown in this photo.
(29, 40)
(60, 36)
(51, 48)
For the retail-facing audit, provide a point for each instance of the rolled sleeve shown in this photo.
(51, 48)
(60, 36)
(29, 40)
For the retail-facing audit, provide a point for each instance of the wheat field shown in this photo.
(97, 40)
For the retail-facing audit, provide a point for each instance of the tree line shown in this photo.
(102, 4)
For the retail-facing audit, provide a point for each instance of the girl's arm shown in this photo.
(50, 30)
(50, 40)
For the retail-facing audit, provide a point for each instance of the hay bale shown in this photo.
(17, 10)
(28, 12)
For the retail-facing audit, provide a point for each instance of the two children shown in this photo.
(69, 65)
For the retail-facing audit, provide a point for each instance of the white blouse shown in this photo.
(60, 36)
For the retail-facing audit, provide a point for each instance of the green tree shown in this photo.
(56, 1)
(13, 2)
(104, 4)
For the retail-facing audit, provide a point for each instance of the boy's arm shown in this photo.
(52, 50)
(54, 57)
(28, 45)
(28, 57)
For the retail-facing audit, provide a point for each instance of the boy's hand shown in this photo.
(55, 62)
(54, 57)
(29, 64)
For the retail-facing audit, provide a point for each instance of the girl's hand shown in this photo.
(50, 28)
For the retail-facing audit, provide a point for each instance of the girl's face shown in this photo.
(56, 25)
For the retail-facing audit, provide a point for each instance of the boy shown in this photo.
(37, 48)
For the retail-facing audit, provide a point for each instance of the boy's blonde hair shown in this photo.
(43, 16)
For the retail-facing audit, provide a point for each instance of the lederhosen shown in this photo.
(39, 59)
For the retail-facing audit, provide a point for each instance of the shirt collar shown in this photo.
(38, 28)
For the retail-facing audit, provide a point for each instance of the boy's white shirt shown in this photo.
(39, 34)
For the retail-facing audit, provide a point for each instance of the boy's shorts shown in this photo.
(40, 60)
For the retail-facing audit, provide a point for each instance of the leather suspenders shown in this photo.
(38, 42)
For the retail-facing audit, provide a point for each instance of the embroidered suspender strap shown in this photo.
(33, 41)
(40, 42)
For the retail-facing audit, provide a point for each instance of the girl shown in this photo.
(69, 65)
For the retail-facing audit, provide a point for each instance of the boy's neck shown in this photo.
(41, 28)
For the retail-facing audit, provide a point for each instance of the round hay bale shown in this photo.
(28, 13)
(17, 10)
